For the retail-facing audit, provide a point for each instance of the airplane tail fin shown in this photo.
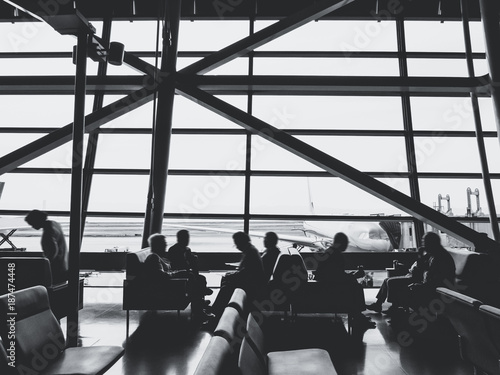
(311, 203)
(393, 230)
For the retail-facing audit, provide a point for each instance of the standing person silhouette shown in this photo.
(53, 244)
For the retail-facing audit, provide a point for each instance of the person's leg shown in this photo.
(398, 292)
(381, 297)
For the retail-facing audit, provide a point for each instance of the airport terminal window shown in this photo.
(446, 36)
(437, 68)
(24, 191)
(188, 114)
(344, 112)
(123, 151)
(447, 154)
(220, 193)
(341, 35)
(118, 193)
(210, 35)
(326, 66)
(41, 113)
(443, 114)
(217, 197)
(209, 152)
(329, 195)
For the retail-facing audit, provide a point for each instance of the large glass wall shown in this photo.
(223, 179)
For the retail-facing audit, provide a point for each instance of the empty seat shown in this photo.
(40, 343)
(475, 343)
(253, 359)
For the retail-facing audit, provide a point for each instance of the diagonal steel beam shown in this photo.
(61, 136)
(245, 45)
(332, 165)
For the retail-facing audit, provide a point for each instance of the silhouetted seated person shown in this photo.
(53, 244)
(157, 269)
(438, 270)
(181, 258)
(331, 271)
(414, 275)
(249, 276)
(270, 254)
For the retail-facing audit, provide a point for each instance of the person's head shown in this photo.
(432, 242)
(157, 243)
(36, 218)
(183, 237)
(270, 239)
(340, 241)
(241, 240)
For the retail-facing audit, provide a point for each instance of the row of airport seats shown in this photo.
(476, 275)
(33, 342)
(478, 328)
(32, 271)
(238, 347)
(299, 295)
(140, 294)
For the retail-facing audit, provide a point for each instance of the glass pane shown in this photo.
(204, 194)
(40, 67)
(210, 35)
(437, 68)
(123, 151)
(493, 154)
(219, 152)
(442, 114)
(362, 153)
(434, 36)
(323, 112)
(335, 36)
(188, 114)
(39, 111)
(141, 117)
(29, 191)
(118, 193)
(33, 36)
(477, 36)
(136, 36)
(447, 154)
(487, 112)
(322, 196)
(326, 66)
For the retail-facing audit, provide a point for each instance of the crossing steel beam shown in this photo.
(245, 45)
(63, 135)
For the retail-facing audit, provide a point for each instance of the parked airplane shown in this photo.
(376, 237)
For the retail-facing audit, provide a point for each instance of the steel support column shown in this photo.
(411, 160)
(490, 18)
(88, 170)
(479, 129)
(75, 224)
(333, 165)
(162, 131)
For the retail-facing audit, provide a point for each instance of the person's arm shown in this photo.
(49, 244)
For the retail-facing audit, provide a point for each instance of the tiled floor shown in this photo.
(160, 343)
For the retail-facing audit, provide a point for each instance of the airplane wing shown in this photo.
(10, 223)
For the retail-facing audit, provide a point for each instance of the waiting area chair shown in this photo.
(39, 346)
